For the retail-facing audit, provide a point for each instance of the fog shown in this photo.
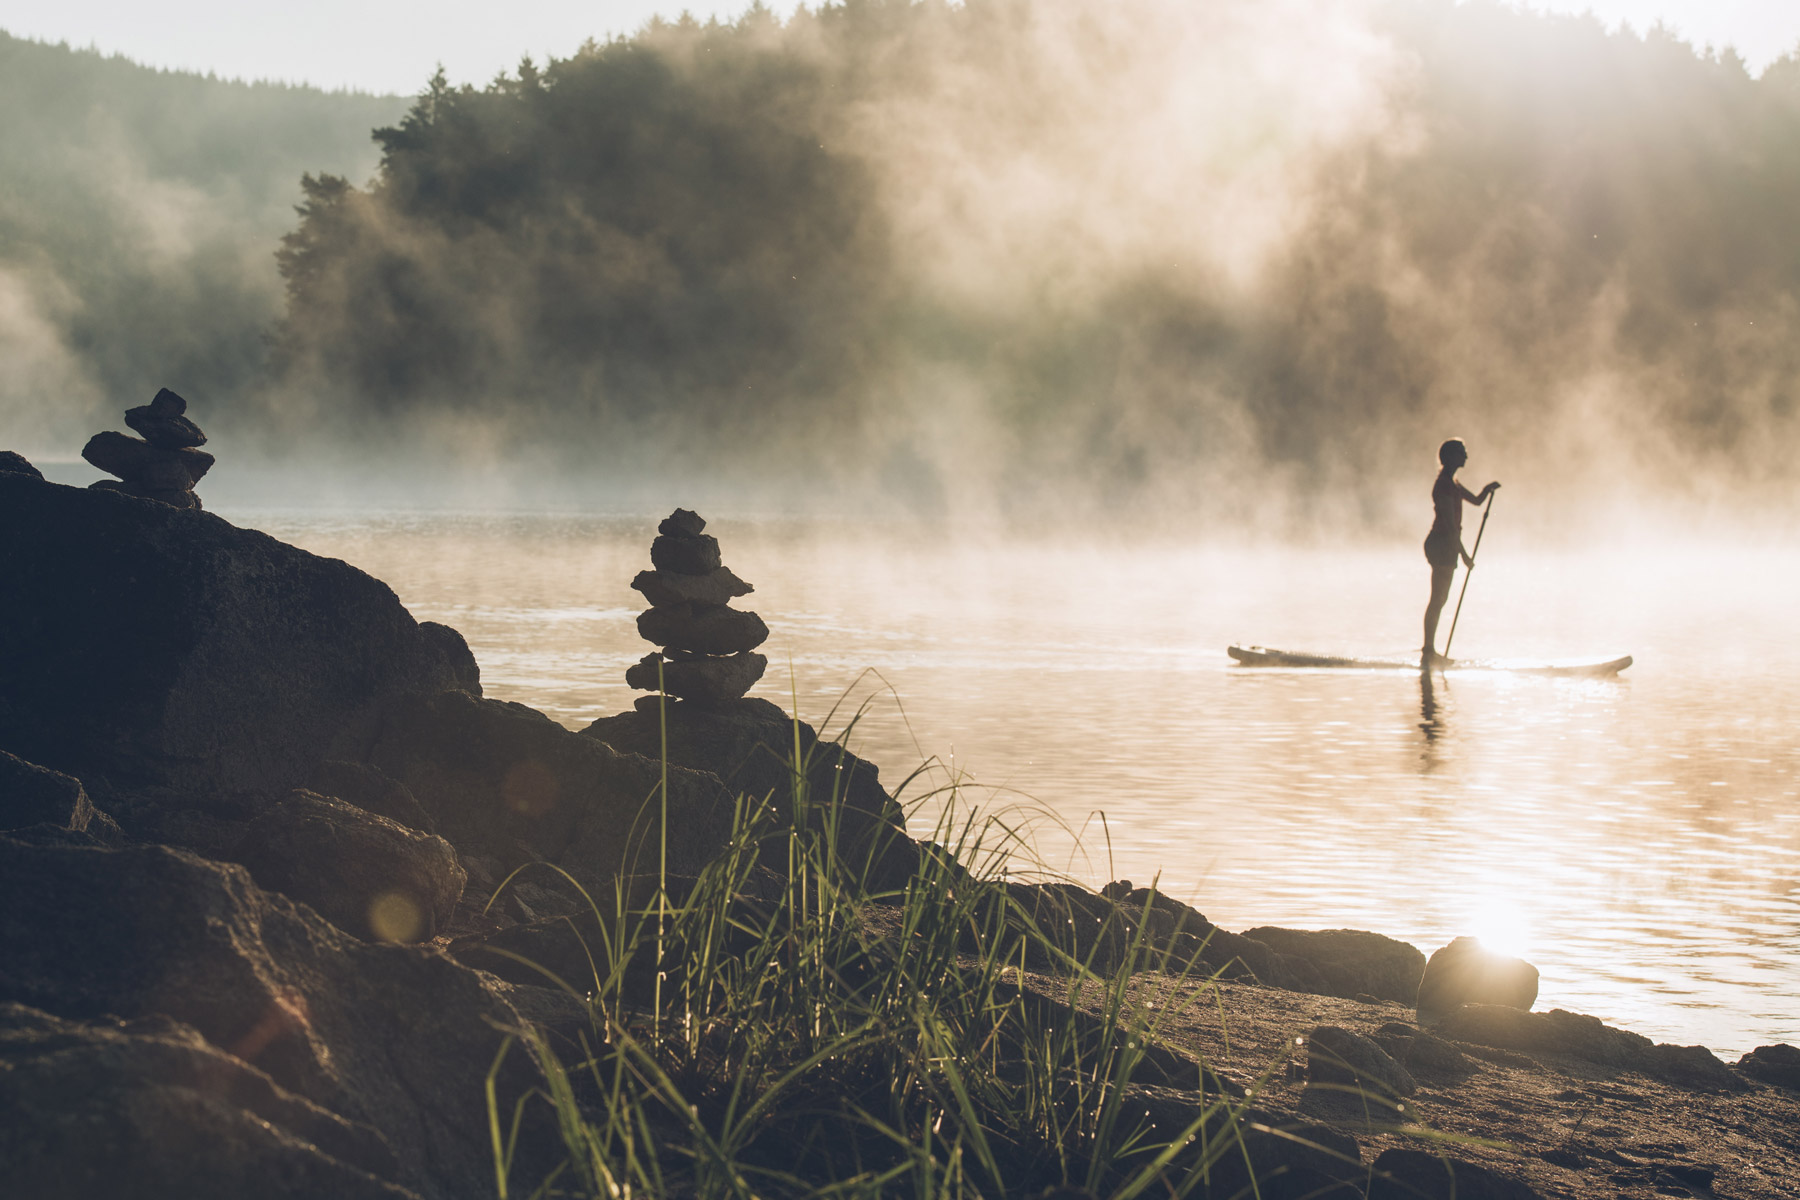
(1147, 265)
(139, 212)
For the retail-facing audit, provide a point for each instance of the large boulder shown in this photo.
(144, 645)
(365, 874)
(1351, 962)
(33, 795)
(372, 790)
(751, 744)
(1189, 938)
(1576, 1035)
(1400, 1174)
(92, 1109)
(505, 781)
(1466, 972)
(1351, 1064)
(1778, 1064)
(399, 1039)
(12, 462)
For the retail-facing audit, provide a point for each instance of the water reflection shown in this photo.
(1431, 722)
(1644, 833)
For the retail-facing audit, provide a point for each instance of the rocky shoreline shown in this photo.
(278, 884)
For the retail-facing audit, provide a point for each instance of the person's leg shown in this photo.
(1441, 579)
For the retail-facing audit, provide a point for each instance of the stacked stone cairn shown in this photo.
(706, 657)
(164, 463)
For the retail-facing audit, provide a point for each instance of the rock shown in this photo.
(146, 466)
(666, 587)
(1694, 1067)
(1347, 1062)
(372, 790)
(1422, 1054)
(1351, 962)
(1553, 1032)
(750, 744)
(167, 404)
(506, 781)
(686, 554)
(166, 432)
(32, 795)
(1417, 1175)
(149, 1108)
(14, 463)
(449, 644)
(1778, 1064)
(702, 630)
(682, 522)
(1270, 1156)
(365, 874)
(705, 682)
(1189, 936)
(397, 1038)
(229, 659)
(1466, 972)
(178, 498)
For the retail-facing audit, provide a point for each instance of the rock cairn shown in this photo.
(164, 463)
(706, 657)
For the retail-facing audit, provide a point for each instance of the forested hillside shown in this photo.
(140, 211)
(1142, 249)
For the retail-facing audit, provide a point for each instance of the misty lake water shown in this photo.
(1638, 839)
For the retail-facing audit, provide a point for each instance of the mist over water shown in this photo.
(1638, 839)
(1055, 346)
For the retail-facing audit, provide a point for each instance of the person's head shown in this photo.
(1453, 453)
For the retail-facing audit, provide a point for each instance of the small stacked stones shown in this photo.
(162, 465)
(706, 657)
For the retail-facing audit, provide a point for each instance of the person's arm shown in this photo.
(1473, 498)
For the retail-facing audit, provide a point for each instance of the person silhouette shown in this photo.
(1443, 545)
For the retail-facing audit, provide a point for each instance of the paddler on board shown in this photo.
(1443, 545)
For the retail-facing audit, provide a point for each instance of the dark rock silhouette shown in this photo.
(1351, 962)
(666, 587)
(750, 745)
(164, 424)
(706, 657)
(1191, 937)
(1466, 972)
(143, 646)
(1778, 1064)
(1349, 1065)
(365, 874)
(32, 795)
(1423, 1054)
(394, 1038)
(1423, 1175)
(506, 782)
(163, 465)
(14, 463)
(372, 790)
(150, 1108)
(1578, 1036)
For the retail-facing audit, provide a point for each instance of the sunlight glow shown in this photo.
(1503, 927)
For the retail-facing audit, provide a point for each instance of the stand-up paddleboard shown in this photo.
(1260, 656)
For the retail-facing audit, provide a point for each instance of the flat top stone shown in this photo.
(682, 521)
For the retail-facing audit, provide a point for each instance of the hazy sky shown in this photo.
(393, 45)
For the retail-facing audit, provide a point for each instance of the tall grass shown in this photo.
(803, 1020)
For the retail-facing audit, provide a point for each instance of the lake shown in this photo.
(1637, 839)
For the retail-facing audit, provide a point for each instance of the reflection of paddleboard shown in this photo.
(1259, 656)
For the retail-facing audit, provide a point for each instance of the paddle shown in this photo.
(1485, 510)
